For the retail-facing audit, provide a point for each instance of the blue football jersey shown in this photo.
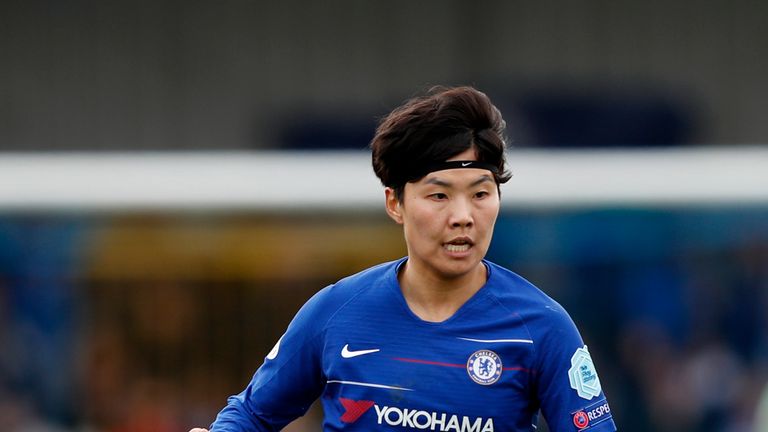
(507, 354)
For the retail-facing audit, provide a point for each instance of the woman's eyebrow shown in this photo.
(483, 179)
(443, 183)
(438, 182)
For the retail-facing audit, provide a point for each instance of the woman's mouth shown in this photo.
(458, 245)
(450, 247)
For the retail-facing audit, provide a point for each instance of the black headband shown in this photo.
(440, 166)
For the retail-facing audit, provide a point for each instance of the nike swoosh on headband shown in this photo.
(446, 165)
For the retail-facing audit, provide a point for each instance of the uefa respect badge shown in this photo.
(583, 375)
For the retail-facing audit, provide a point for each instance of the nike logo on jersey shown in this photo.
(346, 353)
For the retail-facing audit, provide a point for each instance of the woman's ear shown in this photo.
(393, 205)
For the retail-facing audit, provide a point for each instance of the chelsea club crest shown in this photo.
(484, 367)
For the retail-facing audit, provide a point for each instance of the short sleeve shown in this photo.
(568, 387)
(288, 381)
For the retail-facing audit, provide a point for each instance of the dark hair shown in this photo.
(434, 127)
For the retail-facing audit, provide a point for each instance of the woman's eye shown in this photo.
(439, 196)
(481, 194)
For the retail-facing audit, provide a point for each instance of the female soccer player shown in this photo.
(441, 340)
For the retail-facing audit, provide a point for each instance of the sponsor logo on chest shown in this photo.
(415, 418)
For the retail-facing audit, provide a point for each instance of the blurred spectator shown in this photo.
(37, 265)
(673, 304)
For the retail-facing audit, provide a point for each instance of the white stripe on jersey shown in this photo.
(368, 385)
(528, 341)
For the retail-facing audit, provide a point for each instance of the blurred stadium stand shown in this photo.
(155, 239)
(602, 117)
(123, 75)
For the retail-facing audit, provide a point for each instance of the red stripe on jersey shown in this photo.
(454, 365)
(429, 362)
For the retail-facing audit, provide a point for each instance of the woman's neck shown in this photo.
(435, 299)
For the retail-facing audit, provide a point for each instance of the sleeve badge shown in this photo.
(583, 376)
